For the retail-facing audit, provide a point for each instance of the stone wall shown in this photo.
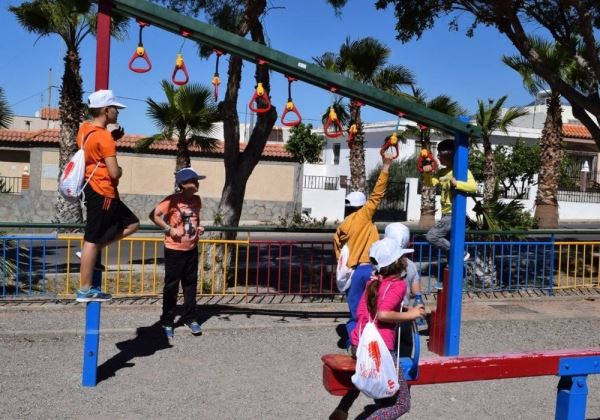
(271, 180)
(38, 207)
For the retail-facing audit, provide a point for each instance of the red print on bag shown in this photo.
(68, 169)
(391, 384)
(375, 355)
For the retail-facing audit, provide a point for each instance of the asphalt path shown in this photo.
(263, 361)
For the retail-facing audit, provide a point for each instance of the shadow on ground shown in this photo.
(148, 340)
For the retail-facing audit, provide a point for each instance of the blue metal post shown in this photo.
(571, 398)
(92, 337)
(457, 247)
(572, 387)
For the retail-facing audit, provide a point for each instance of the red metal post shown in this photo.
(437, 329)
(103, 44)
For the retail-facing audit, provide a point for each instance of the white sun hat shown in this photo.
(103, 98)
(386, 251)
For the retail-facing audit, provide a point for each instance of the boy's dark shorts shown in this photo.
(106, 217)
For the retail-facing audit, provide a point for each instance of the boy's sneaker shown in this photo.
(194, 327)
(169, 333)
(467, 256)
(92, 295)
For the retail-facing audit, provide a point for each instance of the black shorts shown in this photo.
(106, 217)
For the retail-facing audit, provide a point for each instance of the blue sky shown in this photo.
(443, 62)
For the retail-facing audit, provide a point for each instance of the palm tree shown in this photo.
(489, 118)
(188, 116)
(72, 21)
(546, 201)
(441, 103)
(6, 114)
(364, 60)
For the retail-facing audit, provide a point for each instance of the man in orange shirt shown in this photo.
(178, 215)
(108, 218)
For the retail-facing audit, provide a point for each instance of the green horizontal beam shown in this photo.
(291, 66)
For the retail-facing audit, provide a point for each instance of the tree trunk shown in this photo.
(427, 219)
(546, 201)
(358, 177)
(238, 165)
(489, 172)
(183, 153)
(71, 116)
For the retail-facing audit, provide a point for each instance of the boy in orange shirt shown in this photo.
(179, 217)
(108, 218)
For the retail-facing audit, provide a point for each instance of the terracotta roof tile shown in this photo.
(128, 142)
(576, 131)
(50, 114)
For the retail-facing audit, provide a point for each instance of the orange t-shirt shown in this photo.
(183, 215)
(99, 144)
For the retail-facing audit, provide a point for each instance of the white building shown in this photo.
(324, 183)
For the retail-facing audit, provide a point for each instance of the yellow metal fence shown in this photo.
(134, 266)
(577, 264)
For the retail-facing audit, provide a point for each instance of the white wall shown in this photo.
(567, 210)
(325, 203)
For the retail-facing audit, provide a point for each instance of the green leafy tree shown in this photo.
(516, 166)
(446, 105)
(188, 116)
(570, 25)
(305, 145)
(364, 60)
(6, 115)
(490, 117)
(558, 59)
(72, 21)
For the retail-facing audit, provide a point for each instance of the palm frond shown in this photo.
(206, 144)
(329, 61)
(6, 115)
(393, 78)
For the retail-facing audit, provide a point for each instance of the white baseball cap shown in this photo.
(398, 232)
(103, 98)
(355, 199)
(186, 174)
(386, 251)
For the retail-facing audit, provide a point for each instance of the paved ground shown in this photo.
(263, 362)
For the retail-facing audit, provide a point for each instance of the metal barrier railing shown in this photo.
(46, 266)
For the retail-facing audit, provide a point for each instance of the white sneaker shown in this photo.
(467, 256)
(78, 253)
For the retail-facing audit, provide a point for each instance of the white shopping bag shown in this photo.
(343, 273)
(375, 375)
(72, 180)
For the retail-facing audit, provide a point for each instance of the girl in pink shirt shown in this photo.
(382, 301)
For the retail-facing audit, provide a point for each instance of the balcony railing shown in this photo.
(315, 182)
(10, 185)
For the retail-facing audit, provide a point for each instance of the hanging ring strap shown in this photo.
(425, 159)
(216, 81)
(290, 107)
(260, 102)
(180, 63)
(390, 143)
(180, 66)
(333, 128)
(140, 52)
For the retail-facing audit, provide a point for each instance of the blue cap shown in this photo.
(186, 174)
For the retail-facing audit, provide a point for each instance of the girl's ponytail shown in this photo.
(372, 293)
